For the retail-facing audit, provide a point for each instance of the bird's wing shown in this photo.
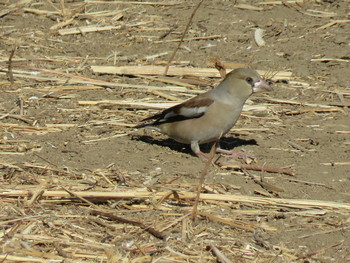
(193, 108)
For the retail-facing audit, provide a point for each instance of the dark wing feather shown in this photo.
(193, 108)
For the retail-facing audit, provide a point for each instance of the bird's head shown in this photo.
(245, 81)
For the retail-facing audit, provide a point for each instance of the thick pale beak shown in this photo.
(261, 86)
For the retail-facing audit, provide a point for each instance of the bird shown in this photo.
(206, 117)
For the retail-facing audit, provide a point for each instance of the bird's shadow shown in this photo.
(226, 143)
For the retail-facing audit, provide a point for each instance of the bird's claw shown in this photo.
(244, 155)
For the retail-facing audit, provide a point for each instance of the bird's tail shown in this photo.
(147, 126)
(142, 125)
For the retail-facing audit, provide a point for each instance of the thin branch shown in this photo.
(182, 36)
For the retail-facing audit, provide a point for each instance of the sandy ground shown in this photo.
(304, 126)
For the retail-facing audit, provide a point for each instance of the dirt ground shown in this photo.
(54, 138)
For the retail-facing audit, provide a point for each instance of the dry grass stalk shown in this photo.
(282, 2)
(336, 163)
(105, 138)
(34, 253)
(309, 183)
(175, 81)
(112, 216)
(17, 117)
(75, 80)
(32, 129)
(164, 95)
(310, 12)
(9, 72)
(87, 29)
(95, 28)
(187, 39)
(182, 36)
(293, 102)
(334, 22)
(176, 71)
(297, 112)
(20, 147)
(268, 187)
(222, 258)
(26, 166)
(51, 240)
(14, 7)
(329, 60)
(67, 88)
(40, 12)
(230, 222)
(7, 258)
(249, 7)
(309, 255)
(132, 3)
(254, 167)
(142, 194)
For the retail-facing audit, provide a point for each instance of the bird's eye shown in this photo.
(249, 80)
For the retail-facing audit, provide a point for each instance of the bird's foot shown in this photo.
(247, 156)
(244, 155)
(206, 156)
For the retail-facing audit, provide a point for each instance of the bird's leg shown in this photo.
(195, 148)
(228, 154)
